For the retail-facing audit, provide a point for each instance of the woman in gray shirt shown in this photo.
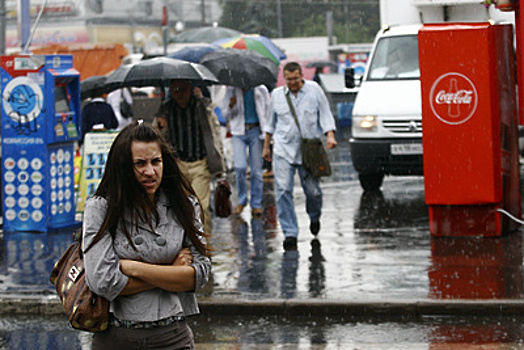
(144, 245)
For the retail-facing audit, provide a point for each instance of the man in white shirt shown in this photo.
(115, 99)
(315, 118)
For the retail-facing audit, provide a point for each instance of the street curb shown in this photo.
(50, 305)
(346, 308)
(30, 305)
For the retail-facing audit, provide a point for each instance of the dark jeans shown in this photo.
(175, 336)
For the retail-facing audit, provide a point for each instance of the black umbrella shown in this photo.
(115, 79)
(159, 71)
(321, 64)
(241, 68)
(92, 84)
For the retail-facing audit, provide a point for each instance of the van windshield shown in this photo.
(395, 58)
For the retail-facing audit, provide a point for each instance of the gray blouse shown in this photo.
(158, 246)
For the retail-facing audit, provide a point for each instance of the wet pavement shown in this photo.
(374, 278)
(219, 332)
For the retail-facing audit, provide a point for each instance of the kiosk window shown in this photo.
(61, 100)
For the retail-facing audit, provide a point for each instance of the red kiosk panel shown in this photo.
(460, 139)
(469, 127)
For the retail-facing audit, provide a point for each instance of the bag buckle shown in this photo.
(74, 273)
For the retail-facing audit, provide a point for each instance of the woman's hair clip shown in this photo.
(139, 121)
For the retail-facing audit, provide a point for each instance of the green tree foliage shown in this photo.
(354, 21)
(250, 17)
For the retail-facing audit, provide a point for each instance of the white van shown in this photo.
(387, 115)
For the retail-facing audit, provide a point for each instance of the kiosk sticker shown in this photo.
(453, 98)
(22, 101)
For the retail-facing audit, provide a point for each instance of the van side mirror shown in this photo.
(349, 77)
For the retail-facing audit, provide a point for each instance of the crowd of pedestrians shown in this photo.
(145, 228)
(260, 128)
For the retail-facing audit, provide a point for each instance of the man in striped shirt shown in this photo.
(191, 127)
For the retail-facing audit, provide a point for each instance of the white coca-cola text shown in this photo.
(460, 97)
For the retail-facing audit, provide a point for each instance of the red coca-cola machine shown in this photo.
(471, 268)
(470, 136)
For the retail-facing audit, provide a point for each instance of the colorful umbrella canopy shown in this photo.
(255, 42)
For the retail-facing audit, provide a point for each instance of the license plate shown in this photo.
(406, 149)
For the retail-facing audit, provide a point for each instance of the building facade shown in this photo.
(135, 23)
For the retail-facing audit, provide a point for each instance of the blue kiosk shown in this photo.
(40, 119)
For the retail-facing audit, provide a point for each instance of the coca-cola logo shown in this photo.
(453, 98)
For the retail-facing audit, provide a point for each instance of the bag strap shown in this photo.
(293, 111)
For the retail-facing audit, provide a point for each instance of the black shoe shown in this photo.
(316, 254)
(290, 243)
(314, 227)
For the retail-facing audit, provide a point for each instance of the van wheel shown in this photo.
(371, 182)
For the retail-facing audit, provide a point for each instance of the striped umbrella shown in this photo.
(255, 42)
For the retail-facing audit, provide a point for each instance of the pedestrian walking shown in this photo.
(144, 245)
(97, 112)
(191, 126)
(315, 118)
(121, 101)
(245, 111)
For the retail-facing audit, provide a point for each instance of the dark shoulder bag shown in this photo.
(85, 310)
(222, 200)
(314, 155)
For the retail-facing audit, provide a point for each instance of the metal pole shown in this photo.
(133, 27)
(279, 19)
(28, 43)
(24, 22)
(165, 27)
(346, 15)
(203, 11)
(3, 27)
(329, 26)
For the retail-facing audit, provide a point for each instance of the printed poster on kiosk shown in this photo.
(96, 148)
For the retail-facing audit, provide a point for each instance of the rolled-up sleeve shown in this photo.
(269, 126)
(201, 263)
(229, 112)
(327, 121)
(102, 266)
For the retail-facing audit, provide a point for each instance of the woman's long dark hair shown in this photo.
(127, 198)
